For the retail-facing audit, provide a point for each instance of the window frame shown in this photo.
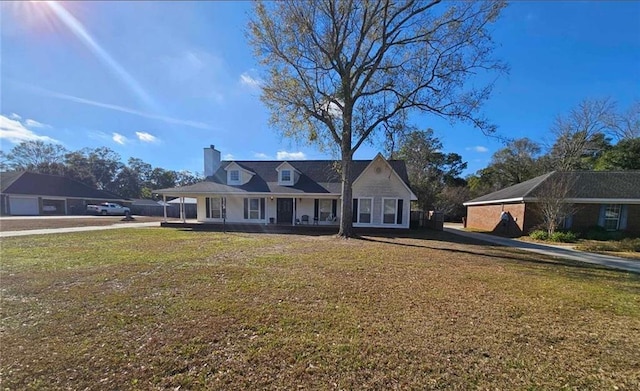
(218, 209)
(395, 211)
(324, 216)
(283, 179)
(250, 210)
(231, 174)
(614, 208)
(370, 210)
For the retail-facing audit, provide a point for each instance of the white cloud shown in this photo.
(170, 120)
(247, 80)
(15, 132)
(228, 157)
(284, 155)
(35, 124)
(120, 139)
(146, 137)
(260, 155)
(478, 148)
(15, 116)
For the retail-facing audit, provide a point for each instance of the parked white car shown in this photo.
(108, 208)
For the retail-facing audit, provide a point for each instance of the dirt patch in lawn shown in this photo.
(168, 309)
(68, 222)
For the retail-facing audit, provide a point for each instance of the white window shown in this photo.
(234, 176)
(285, 176)
(364, 210)
(254, 208)
(612, 217)
(215, 205)
(325, 209)
(389, 210)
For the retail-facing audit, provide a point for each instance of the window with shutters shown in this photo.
(215, 207)
(612, 217)
(325, 209)
(389, 210)
(364, 210)
(254, 208)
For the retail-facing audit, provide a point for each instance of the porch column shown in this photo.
(184, 217)
(164, 206)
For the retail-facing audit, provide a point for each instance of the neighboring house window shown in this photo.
(234, 176)
(389, 209)
(285, 176)
(364, 210)
(214, 209)
(325, 209)
(612, 217)
(566, 222)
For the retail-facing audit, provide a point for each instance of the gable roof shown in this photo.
(587, 186)
(31, 183)
(316, 177)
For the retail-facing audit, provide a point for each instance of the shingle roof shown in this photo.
(31, 183)
(316, 176)
(614, 185)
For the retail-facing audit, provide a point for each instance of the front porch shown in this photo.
(298, 229)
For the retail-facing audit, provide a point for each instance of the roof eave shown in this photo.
(493, 202)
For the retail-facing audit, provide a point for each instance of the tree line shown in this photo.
(594, 135)
(100, 168)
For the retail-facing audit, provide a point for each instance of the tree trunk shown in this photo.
(346, 223)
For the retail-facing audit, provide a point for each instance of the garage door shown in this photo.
(23, 206)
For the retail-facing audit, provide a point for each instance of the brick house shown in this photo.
(609, 199)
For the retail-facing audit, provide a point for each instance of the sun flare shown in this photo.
(36, 16)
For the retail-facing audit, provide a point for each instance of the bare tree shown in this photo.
(582, 134)
(339, 71)
(626, 125)
(552, 204)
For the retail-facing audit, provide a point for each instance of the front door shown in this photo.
(285, 210)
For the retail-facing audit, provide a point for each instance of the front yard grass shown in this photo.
(167, 309)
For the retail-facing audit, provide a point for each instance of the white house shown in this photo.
(299, 192)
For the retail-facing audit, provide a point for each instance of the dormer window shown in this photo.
(285, 176)
(234, 176)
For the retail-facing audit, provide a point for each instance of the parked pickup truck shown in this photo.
(108, 208)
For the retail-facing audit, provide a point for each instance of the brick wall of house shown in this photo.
(633, 219)
(487, 218)
(585, 217)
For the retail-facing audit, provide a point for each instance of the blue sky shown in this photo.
(161, 80)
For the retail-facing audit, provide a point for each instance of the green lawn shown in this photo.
(161, 308)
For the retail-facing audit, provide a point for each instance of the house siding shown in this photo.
(378, 182)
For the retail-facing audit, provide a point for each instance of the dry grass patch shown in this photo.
(159, 308)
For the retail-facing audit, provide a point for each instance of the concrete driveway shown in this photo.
(551, 250)
(76, 229)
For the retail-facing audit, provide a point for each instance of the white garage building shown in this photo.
(24, 193)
